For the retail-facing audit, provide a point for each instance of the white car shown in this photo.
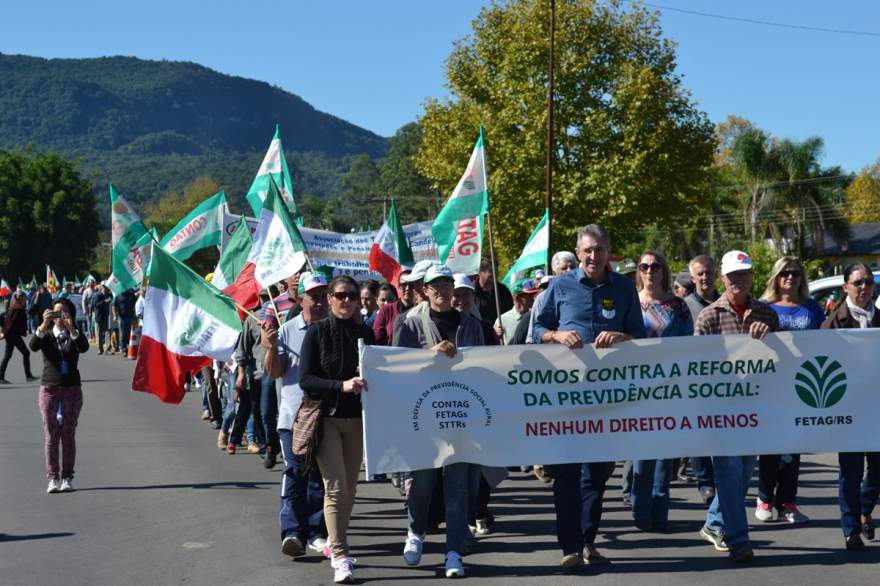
(820, 289)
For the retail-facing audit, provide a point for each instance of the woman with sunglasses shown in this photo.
(856, 496)
(330, 373)
(788, 295)
(664, 315)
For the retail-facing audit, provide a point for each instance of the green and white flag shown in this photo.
(234, 257)
(534, 253)
(273, 168)
(201, 228)
(126, 229)
(187, 324)
(458, 228)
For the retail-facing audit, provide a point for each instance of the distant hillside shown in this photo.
(151, 126)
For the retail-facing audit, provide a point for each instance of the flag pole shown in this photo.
(247, 312)
(489, 225)
(274, 308)
(548, 196)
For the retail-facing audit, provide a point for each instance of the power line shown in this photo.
(808, 181)
(817, 29)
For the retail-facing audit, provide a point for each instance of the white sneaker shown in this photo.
(343, 573)
(412, 550)
(67, 485)
(763, 511)
(54, 486)
(454, 567)
(319, 545)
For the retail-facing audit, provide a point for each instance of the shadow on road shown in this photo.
(4, 537)
(198, 486)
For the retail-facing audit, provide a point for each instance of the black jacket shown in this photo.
(55, 350)
(329, 357)
(13, 322)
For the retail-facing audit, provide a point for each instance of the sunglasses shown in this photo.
(412, 285)
(862, 282)
(654, 266)
(346, 295)
(787, 274)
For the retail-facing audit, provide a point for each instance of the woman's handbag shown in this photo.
(307, 433)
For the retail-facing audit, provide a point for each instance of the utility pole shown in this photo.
(548, 195)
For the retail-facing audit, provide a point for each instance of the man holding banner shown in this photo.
(735, 312)
(590, 305)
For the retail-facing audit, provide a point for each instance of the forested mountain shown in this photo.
(152, 126)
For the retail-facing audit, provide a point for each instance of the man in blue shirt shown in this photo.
(302, 496)
(589, 305)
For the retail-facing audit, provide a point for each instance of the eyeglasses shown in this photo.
(792, 274)
(862, 282)
(654, 266)
(346, 295)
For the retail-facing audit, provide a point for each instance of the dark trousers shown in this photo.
(703, 472)
(578, 490)
(65, 402)
(248, 404)
(125, 324)
(212, 394)
(857, 495)
(269, 412)
(302, 496)
(778, 479)
(11, 344)
(101, 323)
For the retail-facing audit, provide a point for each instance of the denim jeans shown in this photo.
(248, 405)
(302, 496)
(269, 411)
(457, 479)
(857, 496)
(650, 491)
(228, 405)
(727, 513)
(578, 490)
(703, 472)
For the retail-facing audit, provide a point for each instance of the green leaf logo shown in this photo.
(820, 383)
(190, 333)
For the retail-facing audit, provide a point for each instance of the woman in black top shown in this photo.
(13, 328)
(330, 373)
(60, 391)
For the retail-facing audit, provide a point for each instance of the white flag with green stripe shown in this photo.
(534, 253)
(458, 228)
(187, 324)
(201, 228)
(126, 229)
(273, 168)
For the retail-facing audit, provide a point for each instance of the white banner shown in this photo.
(349, 254)
(795, 392)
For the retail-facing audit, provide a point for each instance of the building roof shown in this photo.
(865, 239)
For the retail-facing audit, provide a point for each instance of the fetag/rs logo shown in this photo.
(820, 383)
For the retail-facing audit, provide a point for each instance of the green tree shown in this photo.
(631, 146)
(399, 177)
(863, 196)
(362, 201)
(47, 215)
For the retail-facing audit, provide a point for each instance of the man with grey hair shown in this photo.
(562, 262)
(589, 305)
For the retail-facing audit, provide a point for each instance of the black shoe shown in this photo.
(269, 459)
(643, 525)
(854, 542)
(742, 552)
(31, 378)
(868, 530)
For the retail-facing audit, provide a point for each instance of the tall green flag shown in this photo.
(458, 228)
(126, 229)
(201, 228)
(274, 168)
(235, 254)
(534, 253)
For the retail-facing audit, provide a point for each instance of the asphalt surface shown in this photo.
(157, 503)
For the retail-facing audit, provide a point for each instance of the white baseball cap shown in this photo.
(462, 281)
(438, 272)
(309, 281)
(418, 271)
(735, 260)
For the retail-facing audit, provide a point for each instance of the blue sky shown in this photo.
(374, 63)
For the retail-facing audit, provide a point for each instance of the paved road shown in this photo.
(158, 503)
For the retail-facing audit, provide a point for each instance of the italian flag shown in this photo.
(534, 253)
(51, 280)
(234, 257)
(126, 229)
(273, 169)
(187, 324)
(5, 291)
(458, 228)
(201, 228)
(390, 251)
(277, 253)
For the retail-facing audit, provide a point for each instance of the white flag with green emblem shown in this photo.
(534, 253)
(458, 228)
(126, 229)
(201, 228)
(274, 168)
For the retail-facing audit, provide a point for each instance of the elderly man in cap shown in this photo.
(735, 312)
(302, 496)
(524, 292)
(436, 325)
(409, 295)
